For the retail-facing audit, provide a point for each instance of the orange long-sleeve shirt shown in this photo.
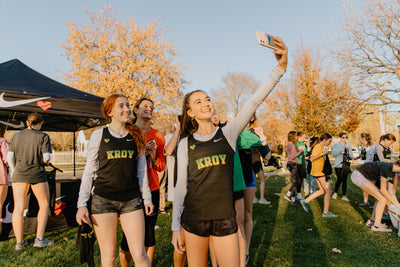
(156, 138)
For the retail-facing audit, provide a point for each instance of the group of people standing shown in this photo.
(120, 179)
(376, 175)
(211, 177)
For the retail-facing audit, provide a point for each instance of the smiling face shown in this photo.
(121, 111)
(201, 107)
(145, 110)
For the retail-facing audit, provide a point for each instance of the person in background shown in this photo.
(4, 146)
(293, 155)
(257, 161)
(310, 184)
(29, 153)
(155, 158)
(383, 152)
(301, 161)
(367, 177)
(318, 158)
(366, 155)
(116, 169)
(343, 154)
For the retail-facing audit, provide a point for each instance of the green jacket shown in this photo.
(304, 154)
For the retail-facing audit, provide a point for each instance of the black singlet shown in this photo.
(210, 179)
(117, 172)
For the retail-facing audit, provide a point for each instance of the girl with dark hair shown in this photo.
(293, 154)
(29, 152)
(383, 151)
(366, 155)
(367, 177)
(154, 148)
(116, 158)
(204, 209)
(318, 160)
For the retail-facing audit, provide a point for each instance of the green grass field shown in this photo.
(283, 235)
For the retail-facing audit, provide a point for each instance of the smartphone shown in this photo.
(266, 40)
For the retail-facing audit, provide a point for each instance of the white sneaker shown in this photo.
(381, 228)
(264, 201)
(370, 223)
(345, 198)
(255, 201)
(334, 196)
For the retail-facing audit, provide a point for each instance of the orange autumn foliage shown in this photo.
(117, 56)
(315, 101)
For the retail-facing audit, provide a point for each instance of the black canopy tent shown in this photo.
(64, 109)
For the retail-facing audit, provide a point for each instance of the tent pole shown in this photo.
(74, 153)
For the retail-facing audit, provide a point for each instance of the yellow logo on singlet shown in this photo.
(120, 154)
(211, 161)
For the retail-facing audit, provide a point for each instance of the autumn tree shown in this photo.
(234, 92)
(370, 48)
(315, 101)
(113, 55)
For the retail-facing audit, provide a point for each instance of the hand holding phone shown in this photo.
(266, 40)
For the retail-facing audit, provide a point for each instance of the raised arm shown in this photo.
(171, 145)
(233, 129)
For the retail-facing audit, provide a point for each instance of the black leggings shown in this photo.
(294, 176)
(341, 174)
(301, 174)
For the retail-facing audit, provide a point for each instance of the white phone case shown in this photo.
(266, 40)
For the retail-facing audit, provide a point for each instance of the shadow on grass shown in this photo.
(264, 217)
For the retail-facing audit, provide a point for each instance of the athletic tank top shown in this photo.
(117, 172)
(210, 179)
(387, 153)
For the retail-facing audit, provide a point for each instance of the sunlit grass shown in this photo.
(283, 235)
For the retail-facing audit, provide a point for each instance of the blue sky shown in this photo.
(213, 37)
